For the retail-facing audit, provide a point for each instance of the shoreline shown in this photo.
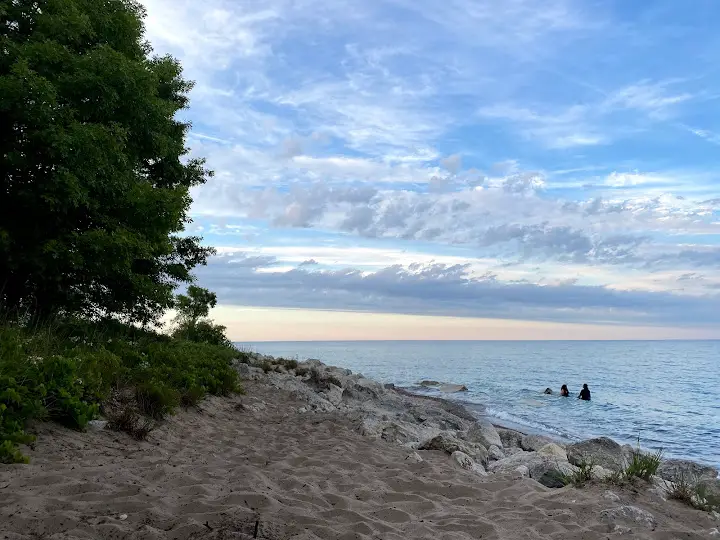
(313, 452)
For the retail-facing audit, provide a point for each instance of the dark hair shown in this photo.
(564, 387)
(585, 385)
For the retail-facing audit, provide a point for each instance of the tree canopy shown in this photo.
(95, 177)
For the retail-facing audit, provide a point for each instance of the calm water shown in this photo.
(665, 393)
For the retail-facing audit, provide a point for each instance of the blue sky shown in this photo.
(551, 162)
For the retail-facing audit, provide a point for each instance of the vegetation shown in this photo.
(95, 180)
(581, 476)
(643, 465)
(94, 199)
(692, 491)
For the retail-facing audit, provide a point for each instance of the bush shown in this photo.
(643, 465)
(690, 490)
(66, 372)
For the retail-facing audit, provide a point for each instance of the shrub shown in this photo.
(690, 490)
(643, 465)
(288, 364)
(191, 397)
(156, 400)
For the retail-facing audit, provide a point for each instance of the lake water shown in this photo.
(666, 393)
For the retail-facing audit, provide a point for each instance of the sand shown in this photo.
(253, 466)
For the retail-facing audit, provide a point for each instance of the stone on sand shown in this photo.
(600, 451)
(618, 517)
(483, 432)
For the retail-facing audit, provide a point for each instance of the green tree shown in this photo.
(195, 305)
(94, 173)
(192, 322)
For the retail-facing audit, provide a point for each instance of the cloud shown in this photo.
(443, 289)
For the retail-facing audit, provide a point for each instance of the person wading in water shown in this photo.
(584, 393)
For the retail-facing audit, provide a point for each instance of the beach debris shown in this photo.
(483, 432)
(600, 451)
(623, 515)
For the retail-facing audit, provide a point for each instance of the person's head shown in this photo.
(563, 387)
(585, 386)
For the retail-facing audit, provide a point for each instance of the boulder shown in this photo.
(548, 469)
(495, 454)
(429, 383)
(509, 438)
(611, 496)
(601, 451)
(553, 451)
(600, 473)
(533, 443)
(678, 469)
(480, 453)
(334, 394)
(618, 517)
(249, 372)
(446, 443)
(452, 388)
(467, 463)
(483, 432)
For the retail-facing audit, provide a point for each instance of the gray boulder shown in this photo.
(601, 451)
(617, 518)
(448, 444)
(533, 443)
(495, 454)
(483, 432)
(548, 468)
(509, 438)
(452, 388)
(467, 463)
(678, 469)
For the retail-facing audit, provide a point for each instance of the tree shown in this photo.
(95, 179)
(192, 324)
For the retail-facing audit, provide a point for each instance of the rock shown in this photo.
(97, 425)
(716, 515)
(484, 432)
(714, 532)
(467, 463)
(302, 410)
(480, 453)
(523, 471)
(334, 394)
(549, 469)
(533, 443)
(414, 458)
(509, 438)
(122, 517)
(553, 451)
(429, 383)
(447, 444)
(601, 451)
(249, 372)
(495, 454)
(676, 469)
(600, 473)
(452, 388)
(623, 515)
(610, 496)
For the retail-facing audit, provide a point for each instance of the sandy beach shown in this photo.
(268, 465)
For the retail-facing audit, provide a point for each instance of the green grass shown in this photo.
(643, 465)
(689, 489)
(582, 475)
(68, 371)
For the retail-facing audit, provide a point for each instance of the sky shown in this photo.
(465, 169)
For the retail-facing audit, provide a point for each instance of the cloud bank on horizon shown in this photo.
(550, 161)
